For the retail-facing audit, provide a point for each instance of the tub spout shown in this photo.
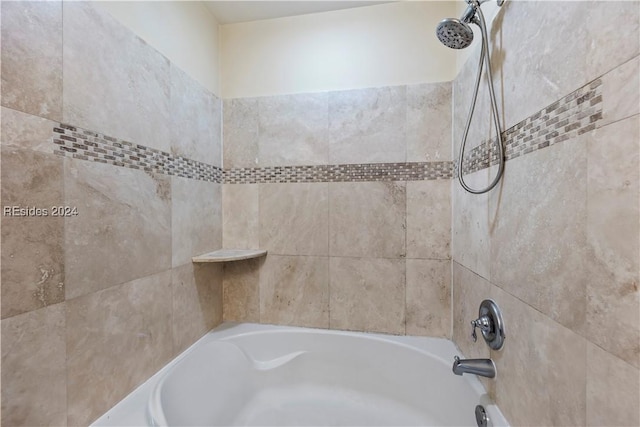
(482, 367)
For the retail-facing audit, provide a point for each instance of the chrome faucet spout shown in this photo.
(481, 367)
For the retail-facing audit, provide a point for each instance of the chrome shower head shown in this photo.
(454, 33)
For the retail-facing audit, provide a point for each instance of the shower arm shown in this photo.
(484, 52)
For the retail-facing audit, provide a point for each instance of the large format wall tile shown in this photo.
(293, 129)
(240, 133)
(196, 120)
(612, 36)
(522, 45)
(429, 219)
(116, 339)
(197, 302)
(34, 378)
(621, 89)
(32, 57)
(20, 130)
(123, 227)
(32, 247)
(367, 219)
(548, 80)
(428, 300)
(461, 91)
(117, 85)
(471, 224)
(538, 240)
(613, 390)
(613, 227)
(429, 122)
(216, 107)
(196, 218)
(241, 293)
(541, 368)
(481, 126)
(469, 290)
(368, 125)
(294, 218)
(240, 216)
(294, 290)
(367, 294)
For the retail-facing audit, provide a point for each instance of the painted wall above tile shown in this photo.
(186, 32)
(382, 45)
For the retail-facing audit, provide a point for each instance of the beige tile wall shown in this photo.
(33, 267)
(294, 218)
(240, 133)
(368, 125)
(306, 135)
(94, 304)
(293, 290)
(365, 256)
(556, 244)
(114, 84)
(32, 30)
(116, 338)
(122, 230)
(34, 370)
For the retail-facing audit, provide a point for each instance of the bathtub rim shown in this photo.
(132, 409)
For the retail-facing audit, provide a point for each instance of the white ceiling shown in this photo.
(229, 12)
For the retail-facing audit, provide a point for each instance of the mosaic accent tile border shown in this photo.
(573, 115)
(77, 143)
(417, 171)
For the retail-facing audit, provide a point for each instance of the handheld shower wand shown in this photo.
(457, 34)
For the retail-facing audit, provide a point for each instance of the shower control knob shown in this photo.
(484, 323)
(490, 323)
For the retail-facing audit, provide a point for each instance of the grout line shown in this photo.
(64, 224)
(406, 249)
(329, 248)
(261, 262)
(617, 121)
(621, 64)
(259, 231)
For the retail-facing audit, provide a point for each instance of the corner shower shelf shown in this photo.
(225, 255)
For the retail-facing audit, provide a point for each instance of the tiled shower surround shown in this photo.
(556, 242)
(351, 192)
(94, 304)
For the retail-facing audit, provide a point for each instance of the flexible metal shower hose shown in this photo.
(484, 55)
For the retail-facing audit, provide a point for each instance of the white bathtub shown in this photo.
(247, 374)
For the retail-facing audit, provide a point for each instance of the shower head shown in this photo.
(454, 33)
